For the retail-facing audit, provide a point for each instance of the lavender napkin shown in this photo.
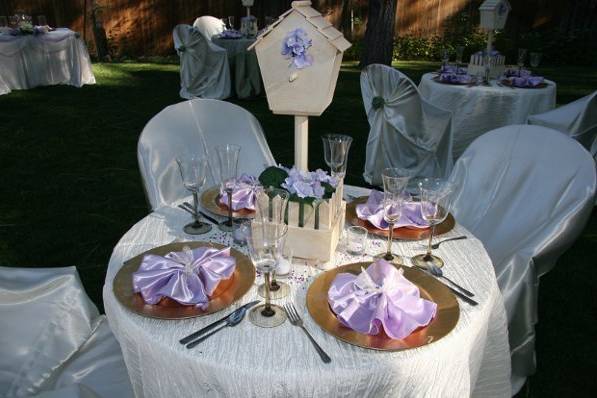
(526, 82)
(243, 195)
(230, 34)
(379, 296)
(189, 277)
(452, 69)
(453, 78)
(515, 72)
(372, 211)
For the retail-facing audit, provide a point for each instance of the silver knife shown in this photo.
(199, 332)
(458, 294)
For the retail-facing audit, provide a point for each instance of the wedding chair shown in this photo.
(577, 119)
(199, 126)
(407, 132)
(204, 70)
(527, 203)
(54, 342)
(209, 26)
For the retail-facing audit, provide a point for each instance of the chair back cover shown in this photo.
(204, 70)
(209, 26)
(527, 203)
(53, 341)
(197, 126)
(578, 119)
(407, 132)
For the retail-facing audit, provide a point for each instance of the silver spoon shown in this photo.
(436, 271)
(233, 320)
(436, 244)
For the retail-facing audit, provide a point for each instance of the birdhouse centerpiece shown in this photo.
(299, 57)
(494, 14)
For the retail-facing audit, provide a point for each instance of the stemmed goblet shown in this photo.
(335, 154)
(445, 53)
(394, 184)
(265, 241)
(522, 56)
(193, 170)
(435, 207)
(227, 164)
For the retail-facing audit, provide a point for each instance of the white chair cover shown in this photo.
(209, 26)
(577, 119)
(204, 70)
(527, 203)
(407, 132)
(53, 342)
(197, 126)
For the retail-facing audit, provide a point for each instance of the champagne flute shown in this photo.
(266, 241)
(227, 156)
(394, 184)
(193, 170)
(335, 154)
(435, 207)
(522, 55)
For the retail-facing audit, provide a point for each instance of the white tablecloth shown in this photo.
(244, 67)
(58, 57)
(479, 109)
(247, 361)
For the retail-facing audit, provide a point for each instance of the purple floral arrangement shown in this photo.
(303, 186)
(295, 47)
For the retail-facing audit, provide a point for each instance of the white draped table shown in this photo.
(57, 57)
(247, 361)
(479, 109)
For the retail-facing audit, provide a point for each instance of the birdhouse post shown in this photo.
(299, 57)
(494, 14)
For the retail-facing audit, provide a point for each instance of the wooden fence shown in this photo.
(143, 27)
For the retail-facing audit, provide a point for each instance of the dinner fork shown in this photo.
(296, 320)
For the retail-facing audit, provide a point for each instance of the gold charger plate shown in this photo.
(445, 319)
(399, 233)
(508, 83)
(209, 201)
(227, 292)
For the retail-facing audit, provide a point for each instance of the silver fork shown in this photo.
(296, 320)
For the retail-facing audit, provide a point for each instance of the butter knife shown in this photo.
(199, 332)
(458, 294)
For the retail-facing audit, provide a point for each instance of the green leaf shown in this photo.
(273, 177)
(329, 190)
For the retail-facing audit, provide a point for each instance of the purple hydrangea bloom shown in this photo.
(295, 46)
(307, 184)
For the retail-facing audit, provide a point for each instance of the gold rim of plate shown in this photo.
(446, 318)
(237, 286)
(209, 201)
(399, 233)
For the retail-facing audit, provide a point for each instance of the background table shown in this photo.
(244, 67)
(474, 359)
(479, 109)
(58, 57)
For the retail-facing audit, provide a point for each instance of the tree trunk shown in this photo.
(379, 36)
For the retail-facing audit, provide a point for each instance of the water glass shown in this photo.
(356, 240)
(535, 59)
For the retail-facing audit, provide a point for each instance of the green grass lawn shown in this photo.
(71, 188)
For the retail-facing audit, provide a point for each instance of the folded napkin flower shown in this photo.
(243, 195)
(515, 72)
(452, 69)
(454, 78)
(379, 296)
(188, 277)
(530, 81)
(230, 34)
(372, 211)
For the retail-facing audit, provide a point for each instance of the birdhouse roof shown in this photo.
(492, 4)
(314, 17)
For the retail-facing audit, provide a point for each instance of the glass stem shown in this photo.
(196, 207)
(430, 241)
(229, 193)
(267, 291)
(390, 237)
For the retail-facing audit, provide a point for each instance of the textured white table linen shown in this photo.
(473, 360)
(477, 110)
(57, 57)
(244, 67)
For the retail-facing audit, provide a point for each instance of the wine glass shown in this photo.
(394, 184)
(193, 170)
(459, 54)
(227, 170)
(522, 55)
(535, 59)
(41, 20)
(435, 207)
(272, 204)
(335, 153)
(231, 22)
(266, 241)
(3, 21)
(445, 54)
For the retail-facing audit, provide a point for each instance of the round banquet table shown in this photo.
(479, 109)
(472, 360)
(57, 57)
(244, 67)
